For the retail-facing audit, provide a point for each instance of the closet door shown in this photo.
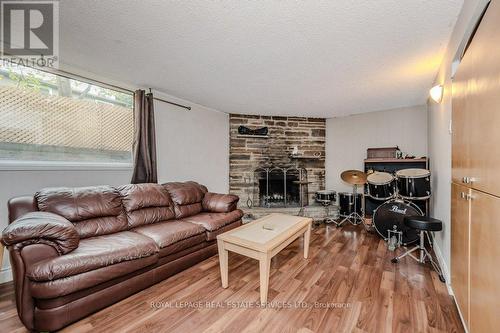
(484, 265)
(460, 155)
(460, 231)
(476, 94)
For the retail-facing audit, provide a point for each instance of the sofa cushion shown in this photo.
(187, 197)
(219, 203)
(94, 211)
(68, 285)
(170, 232)
(212, 235)
(146, 204)
(215, 221)
(191, 242)
(94, 253)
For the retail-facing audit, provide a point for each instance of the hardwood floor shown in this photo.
(349, 276)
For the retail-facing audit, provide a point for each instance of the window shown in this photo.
(51, 118)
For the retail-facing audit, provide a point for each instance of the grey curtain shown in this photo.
(144, 139)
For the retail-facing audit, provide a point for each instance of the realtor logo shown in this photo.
(30, 32)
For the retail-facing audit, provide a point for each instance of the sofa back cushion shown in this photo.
(146, 204)
(95, 210)
(187, 197)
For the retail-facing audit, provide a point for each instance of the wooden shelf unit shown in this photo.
(396, 160)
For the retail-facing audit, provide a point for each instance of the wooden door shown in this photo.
(460, 227)
(460, 155)
(476, 108)
(484, 265)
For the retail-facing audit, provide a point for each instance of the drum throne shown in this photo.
(424, 225)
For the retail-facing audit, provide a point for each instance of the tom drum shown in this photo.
(326, 197)
(381, 186)
(346, 204)
(414, 184)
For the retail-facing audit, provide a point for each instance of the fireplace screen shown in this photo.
(280, 187)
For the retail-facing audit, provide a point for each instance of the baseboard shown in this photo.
(5, 275)
(460, 314)
(444, 267)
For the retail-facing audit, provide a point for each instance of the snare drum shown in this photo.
(346, 204)
(381, 186)
(414, 184)
(326, 197)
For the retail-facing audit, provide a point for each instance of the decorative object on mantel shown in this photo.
(243, 130)
(295, 154)
(306, 157)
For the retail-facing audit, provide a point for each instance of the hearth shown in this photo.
(279, 187)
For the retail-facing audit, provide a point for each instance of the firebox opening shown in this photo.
(276, 190)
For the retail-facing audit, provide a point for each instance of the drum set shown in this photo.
(396, 192)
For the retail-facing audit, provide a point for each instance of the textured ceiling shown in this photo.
(311, 57)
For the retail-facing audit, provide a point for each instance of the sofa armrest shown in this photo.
(42, 228)
(219, 203)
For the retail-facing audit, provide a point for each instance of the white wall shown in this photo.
(191, 145)
(439, 116)
(347, 139)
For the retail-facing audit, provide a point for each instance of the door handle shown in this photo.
(465, 196)
(468, 180)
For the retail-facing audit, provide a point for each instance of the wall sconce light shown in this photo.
(436, 93)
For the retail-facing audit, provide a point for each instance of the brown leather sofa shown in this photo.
(74, 251)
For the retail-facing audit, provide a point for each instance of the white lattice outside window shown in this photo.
(47, 117)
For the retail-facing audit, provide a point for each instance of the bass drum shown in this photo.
(390, 216)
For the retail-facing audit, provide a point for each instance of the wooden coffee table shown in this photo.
(262, 239)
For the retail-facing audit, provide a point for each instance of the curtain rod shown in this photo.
(176, 104)
(69, 75)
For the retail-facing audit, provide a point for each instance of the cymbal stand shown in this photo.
(354, 218)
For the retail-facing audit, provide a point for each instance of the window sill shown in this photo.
(61, 166)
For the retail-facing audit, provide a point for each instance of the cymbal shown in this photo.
(353, 177)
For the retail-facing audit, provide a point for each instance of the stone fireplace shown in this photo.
(280, 169)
